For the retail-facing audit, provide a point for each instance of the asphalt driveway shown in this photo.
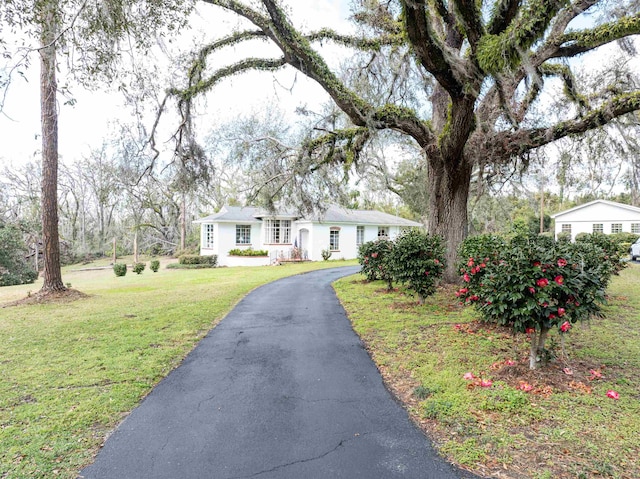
(281, 388)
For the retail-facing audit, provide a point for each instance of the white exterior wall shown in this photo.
(583, 219)
(224, 239)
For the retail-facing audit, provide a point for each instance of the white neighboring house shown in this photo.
(599, 216)
(339, 230)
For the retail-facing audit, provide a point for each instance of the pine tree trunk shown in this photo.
(448, 196)
(49, 119)
(183, 222)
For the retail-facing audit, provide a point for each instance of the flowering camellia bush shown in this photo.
(372, 256)
(534, 283)
(417, 260)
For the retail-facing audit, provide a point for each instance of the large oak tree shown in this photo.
(485, 65)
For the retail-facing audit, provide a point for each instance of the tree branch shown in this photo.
(360, 43)
(471, 19)
(428, 48)
(503, 13)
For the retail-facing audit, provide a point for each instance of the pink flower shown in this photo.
(457, 327)
(559, 279)
(532, 290)
(542, 282)
(566, 326)
(526, 387)
(427, 273)
(530, 330)
(486, 383)
(612, 394)
(536, 264)
(482, 265)
(374, 255)
(552, 316)
(509, 362)
(468, 376)
(561, 311)
(545, 304)
(466, 278)
(474, 297)
(595, 374)
(470, 263)
(568, 371)
(562, 262)
(436, 261)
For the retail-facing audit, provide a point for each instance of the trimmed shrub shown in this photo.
(611, 248)
(209, 260)
(248, 252)
(326, 254)
(154, 265)
(138, 268)
(534, 284)
(120, 269)
(372, 256)
(188, 266)
(417, 260)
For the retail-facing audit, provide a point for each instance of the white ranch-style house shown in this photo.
(290, 236)
(599, 216)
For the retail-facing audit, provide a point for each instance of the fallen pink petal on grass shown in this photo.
(486, 383)
(613, 394)
(468, 376)
(568, 371)
(526, 387)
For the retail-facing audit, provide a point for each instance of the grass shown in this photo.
(564, 427)
(71, 371)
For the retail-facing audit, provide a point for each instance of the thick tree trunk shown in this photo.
(49, 119)
(448, 196)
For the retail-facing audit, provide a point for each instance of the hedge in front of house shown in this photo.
(248, 252)
(210, 261)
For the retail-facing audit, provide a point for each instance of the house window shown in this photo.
(598, 228)
(616, 227)
(277, 231)
(635, 228)
(359, 235)
(243, 234)
(208, 236)
(334, 239)
(383, 232)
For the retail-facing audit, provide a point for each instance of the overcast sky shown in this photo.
(84, 125)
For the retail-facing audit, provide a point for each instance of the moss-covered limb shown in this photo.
(500, 53)
(570, 88)
(406, 120)
(337, 147)
(524, 140)
(428, 47)
(577, 42)
(378, 18)
(255, 17)
(361, 43)
(502, 13)
(469, 13)
(248, 64)
(461, 121)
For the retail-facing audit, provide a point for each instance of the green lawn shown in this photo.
(564, 427)
(70, 371)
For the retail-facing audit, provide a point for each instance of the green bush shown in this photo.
(209, 260)
(326, 254)
(417, 260)
(120, 269)
(534, 284)
(564, 236)
(189, 266)
(372, 256)
(154, 265)
(248, 252)
(14, 269)
(138, 268)
(608, 244)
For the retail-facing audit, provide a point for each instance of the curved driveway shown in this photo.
(281, 388)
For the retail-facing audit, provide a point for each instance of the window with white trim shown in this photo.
(208, 236)
(598, 228)
(243, 234)
(334, 238)
(566, 228)
(616, 227)
(359, 235)
(383, 232)
(635, 228)
(277, 231)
